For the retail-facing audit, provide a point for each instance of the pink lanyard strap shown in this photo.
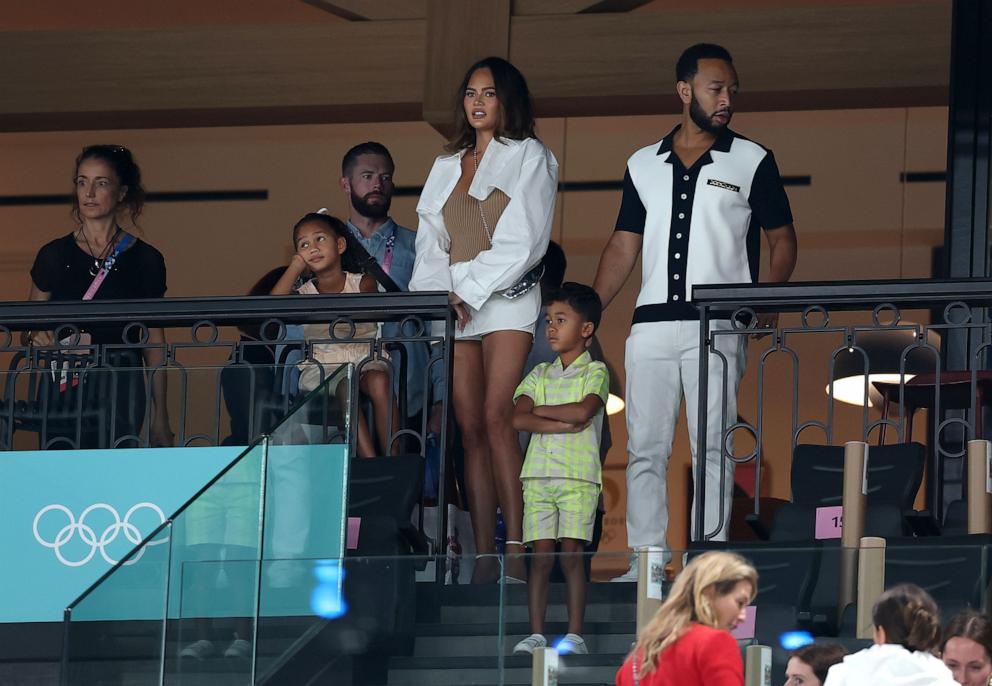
(387, 258)
(108, 264)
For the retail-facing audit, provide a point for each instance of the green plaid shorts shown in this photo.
(559, 508)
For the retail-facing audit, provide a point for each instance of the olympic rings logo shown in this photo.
(88, 536)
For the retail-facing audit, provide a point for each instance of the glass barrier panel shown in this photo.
(305, 509)
(372, 622)
(588, 626)
(214, 576)
(116, 632)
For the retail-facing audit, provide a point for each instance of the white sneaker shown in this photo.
(630, 576)
(198, 650)
(239, 648)
(572, 644)
(530, 644)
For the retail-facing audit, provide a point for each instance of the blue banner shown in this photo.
(66, 517)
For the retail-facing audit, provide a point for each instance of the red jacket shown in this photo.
(702, 656)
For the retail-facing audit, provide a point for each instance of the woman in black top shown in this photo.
(108, 186)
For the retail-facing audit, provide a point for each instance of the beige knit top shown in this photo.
(463, 221)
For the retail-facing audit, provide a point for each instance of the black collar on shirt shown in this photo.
(722, 144)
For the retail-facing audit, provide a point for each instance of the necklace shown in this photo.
(101, 259)
(485, 224)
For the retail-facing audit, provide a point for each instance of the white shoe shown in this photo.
(239, 648)
(572, 644)
(530, 644)
(198, 650)
(630, 576)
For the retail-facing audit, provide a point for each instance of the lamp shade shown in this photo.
(614, 403)
(882, 360)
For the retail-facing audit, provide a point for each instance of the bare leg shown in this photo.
(376, 385)
(366, 446)
(537, 585)
(504, 354)
(575, 577)
(467, 381)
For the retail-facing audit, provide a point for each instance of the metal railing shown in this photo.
(78, 394)
(898, 328)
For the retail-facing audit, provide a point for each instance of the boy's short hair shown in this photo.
(581, 298)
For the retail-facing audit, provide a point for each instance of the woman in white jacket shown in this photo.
(907, 631)
(485, 221)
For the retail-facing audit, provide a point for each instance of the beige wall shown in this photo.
(856, 220)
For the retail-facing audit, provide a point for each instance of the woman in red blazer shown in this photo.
(688, 642)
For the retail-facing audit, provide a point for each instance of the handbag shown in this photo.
(531, 278)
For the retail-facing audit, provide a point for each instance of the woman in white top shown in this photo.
(907, 631)
(485, 220)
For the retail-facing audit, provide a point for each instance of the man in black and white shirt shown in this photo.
(694, 205)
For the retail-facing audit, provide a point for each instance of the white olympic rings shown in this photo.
(88, 536)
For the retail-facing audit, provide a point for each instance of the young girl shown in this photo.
(907, 630)
(320, 242)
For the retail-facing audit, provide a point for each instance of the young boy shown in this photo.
(562, 404)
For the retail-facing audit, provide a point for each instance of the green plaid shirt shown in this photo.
(565, 456)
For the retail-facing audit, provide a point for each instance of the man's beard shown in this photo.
(370, 210)
(700, 118)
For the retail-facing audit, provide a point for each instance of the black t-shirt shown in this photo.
(62, 268)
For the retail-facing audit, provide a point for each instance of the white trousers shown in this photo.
(662, 363)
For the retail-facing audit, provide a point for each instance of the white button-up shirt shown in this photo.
(527, 173)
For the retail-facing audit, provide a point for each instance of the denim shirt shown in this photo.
(404, 249)
(400, 269)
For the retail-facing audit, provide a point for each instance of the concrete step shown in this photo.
(595, 612)
(469, 671)
(516, 594)
(462, 640)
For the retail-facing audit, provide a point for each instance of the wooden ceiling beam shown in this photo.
(387, 10)
(459, 34)
(581, 64)
(524, 8)
(373, 10)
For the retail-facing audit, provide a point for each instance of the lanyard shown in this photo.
(387, 258)
(108, 264)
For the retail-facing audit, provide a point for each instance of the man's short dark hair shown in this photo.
(581, 298)
(688, 63)
(369, 148)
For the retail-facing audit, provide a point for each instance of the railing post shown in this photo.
(544, 668)
(650, 573)
(855, 490)
(758, 666)
(871, 582)
(979, 486)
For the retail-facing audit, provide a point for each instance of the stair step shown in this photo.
(516, 594)
(474, 671)
(491, 629)
(595, 612)
(464, 646)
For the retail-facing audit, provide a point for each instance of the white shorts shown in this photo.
(500, 314)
